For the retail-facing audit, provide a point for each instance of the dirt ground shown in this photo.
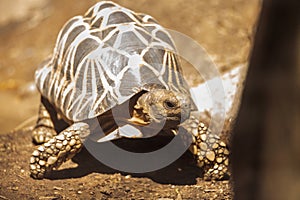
(87, 178)
(27, 36)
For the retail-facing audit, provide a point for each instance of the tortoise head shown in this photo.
(159, 105)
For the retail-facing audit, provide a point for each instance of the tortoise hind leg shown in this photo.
(44, 128)
(57, 150)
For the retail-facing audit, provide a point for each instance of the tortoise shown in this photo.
(113, 58)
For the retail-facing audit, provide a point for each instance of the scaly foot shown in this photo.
(57, 150)
(211, 152)
(42, 134)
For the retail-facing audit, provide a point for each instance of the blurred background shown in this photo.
(266, 150)
(28, 30)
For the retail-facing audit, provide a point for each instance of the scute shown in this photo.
(103, 57)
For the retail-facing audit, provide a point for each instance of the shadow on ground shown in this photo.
(183, 171)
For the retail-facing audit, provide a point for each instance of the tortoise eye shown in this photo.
(169, 104)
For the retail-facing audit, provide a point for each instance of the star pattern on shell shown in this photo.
(103, 58)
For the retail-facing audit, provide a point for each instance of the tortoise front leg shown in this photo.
(44, 128)
(57, 150)
(211, 152)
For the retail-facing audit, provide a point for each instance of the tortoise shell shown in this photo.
(105, 57)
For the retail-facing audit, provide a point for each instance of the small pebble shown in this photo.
(127, 189)
(15, 188)
(57, 188)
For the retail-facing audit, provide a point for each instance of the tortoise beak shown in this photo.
(185, 114)
(137, 121)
